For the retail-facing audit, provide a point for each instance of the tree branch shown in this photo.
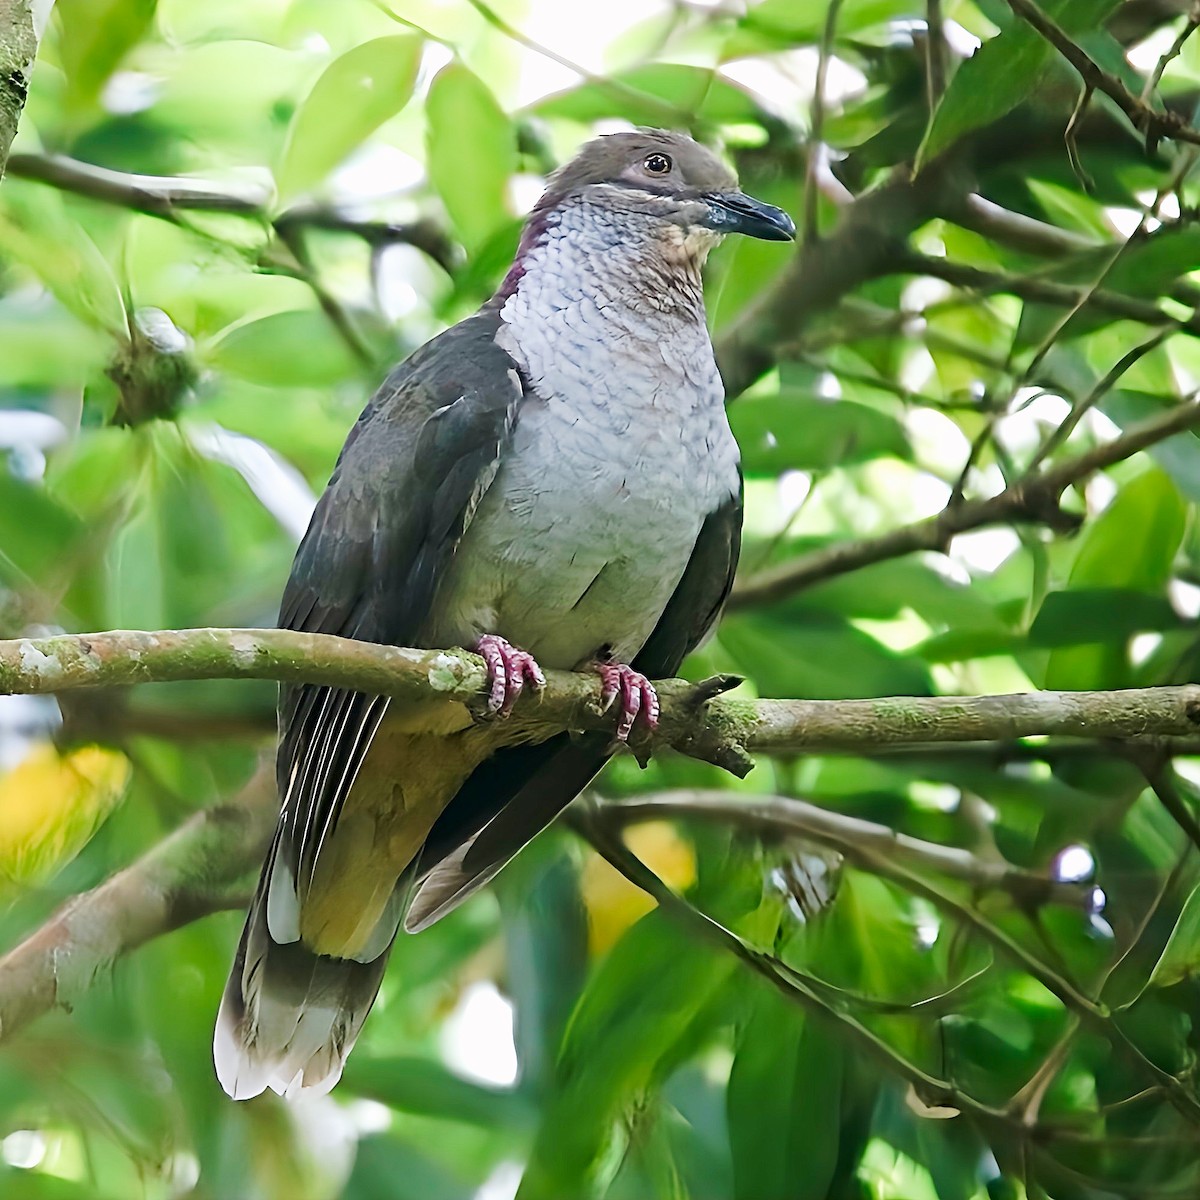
(720, 730)
(185, 877)
(1042, 291)
(863, 842)
(1032, 498)
(864, 245)
(989, 220)
(1148, 121)
(167, 197)
(18, 48)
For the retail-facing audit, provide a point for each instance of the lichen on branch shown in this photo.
(696, 721)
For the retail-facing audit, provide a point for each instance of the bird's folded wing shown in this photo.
(403, 492)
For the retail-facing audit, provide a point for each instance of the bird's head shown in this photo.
(683, 190)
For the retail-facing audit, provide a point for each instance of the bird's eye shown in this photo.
(657, 164)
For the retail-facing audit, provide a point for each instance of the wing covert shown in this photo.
(394, 512)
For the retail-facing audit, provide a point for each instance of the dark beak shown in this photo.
(735, 212)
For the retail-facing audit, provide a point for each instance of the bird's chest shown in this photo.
(594, 512)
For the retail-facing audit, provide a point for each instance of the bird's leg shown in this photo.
(509, 669)
(638, 697)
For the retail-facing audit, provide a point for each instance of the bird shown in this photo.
(552, 482)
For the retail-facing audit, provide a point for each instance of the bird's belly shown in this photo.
(579, 544)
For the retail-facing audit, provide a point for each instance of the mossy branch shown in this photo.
(18, 48)
(696, 720)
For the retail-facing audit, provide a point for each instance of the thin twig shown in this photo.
(1158, 775)
(1071, 138)
(1190, 26)
(1027, 1103)
(168, 197)
(1043, 291)
(1067, 426)
(935, 54)
(1034, 498)
(1153, 124)
(978, 443)
(862, 842)
(817, 125)
(292, 237)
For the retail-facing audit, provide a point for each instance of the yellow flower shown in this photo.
(613, 903)
(50, 806)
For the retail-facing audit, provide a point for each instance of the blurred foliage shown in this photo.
(178, 369)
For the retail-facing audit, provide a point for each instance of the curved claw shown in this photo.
(509, 669)
(639, 700)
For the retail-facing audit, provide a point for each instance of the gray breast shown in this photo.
(620, 451)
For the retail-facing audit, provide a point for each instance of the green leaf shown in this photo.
(46, 349)
(792, 431)
(1082, 615)
(423, 1087)
(651, 1166)
(658, 94)
(791, 21)
(471, 150)
(1180, 958)
(354, 96)
(789, 1145)
(381, 1162)
(959, 645)
(817, 656)
(1001, 73)
(94, 36)
(629, 1018)
(1133, 542)
(1132, 545)
(37, 1185)
(288, 349)
(37, 534)
(37, 231)
(546, 940)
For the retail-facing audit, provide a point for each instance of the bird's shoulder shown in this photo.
(459, 380)
(405, 486)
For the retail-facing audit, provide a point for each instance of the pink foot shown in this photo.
(638, 697)
(509, 669)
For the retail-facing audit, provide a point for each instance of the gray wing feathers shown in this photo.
(393, 515)
(381, 535)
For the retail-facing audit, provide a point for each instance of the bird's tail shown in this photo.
(290, 1016)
